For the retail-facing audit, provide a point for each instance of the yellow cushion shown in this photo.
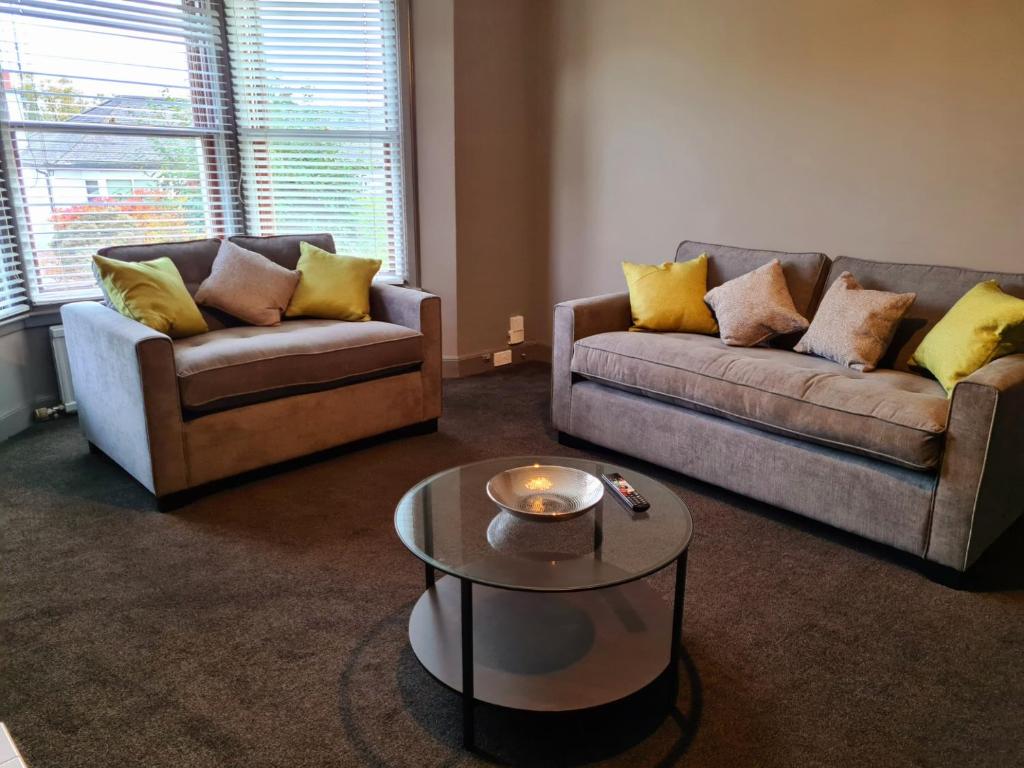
(332, 286)
(983, 325)
(670, 297)
(153, 293)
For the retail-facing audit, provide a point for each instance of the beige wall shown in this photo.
(884, 129)
(433, 51)
(481, 192)
(558, 137)
(500, 184)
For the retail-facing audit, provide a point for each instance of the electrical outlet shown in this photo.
(515, 323)
(503, 358)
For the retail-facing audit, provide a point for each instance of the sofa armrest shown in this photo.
(421, 311)
(980, 488)
(575, 320)
(126, 388)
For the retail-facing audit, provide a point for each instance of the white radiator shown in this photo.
(60, 362)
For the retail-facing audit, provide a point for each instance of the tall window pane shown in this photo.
(118, 130)
(318, 103)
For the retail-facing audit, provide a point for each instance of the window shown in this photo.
(118, 127)
(111, 89)
(318, 103)
(12, 287)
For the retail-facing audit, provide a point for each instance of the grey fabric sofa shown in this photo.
(179, 414)
(883, 454)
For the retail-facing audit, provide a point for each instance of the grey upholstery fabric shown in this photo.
(283, 249)
(979, 492)
(252, 364)
(804, 271)
(126, 385)
(420, 311)
(576, 320)
(126, 393)
(889, 415)
(937, 289)
(870, 498)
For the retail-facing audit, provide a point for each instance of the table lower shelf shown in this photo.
(551, 651)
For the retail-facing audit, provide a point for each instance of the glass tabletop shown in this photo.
(449, 522)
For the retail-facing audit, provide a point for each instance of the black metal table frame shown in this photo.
(466, 606)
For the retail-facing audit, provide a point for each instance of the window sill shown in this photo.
(42, 315)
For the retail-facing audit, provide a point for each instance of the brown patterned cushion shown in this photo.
(854, 326)
(755, 307)
(247, 285)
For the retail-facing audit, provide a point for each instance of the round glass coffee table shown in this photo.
(543, 615)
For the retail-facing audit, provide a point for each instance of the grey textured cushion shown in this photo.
(937, 289)
(854, 325)
(755, 307)
(247, 285)
(235, 366)
(283, 249)
(804, 271)
(889, 415)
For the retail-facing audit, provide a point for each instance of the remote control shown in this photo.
(625, 492)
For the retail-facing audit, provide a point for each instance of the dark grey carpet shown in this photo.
(265, 625)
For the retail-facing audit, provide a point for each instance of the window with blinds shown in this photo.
(318, 104)
(12, 287)
(119, 127)
(117, 131)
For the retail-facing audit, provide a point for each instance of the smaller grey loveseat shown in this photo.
(181, 413)
(883, 454)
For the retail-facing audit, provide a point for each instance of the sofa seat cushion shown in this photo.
(890, 415)
(247, 364)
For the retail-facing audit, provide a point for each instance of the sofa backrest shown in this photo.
(937, 289)
(804, 271)
(283, 249)
(194, 259)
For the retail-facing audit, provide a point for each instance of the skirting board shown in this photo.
(15, 420)
(481, 362)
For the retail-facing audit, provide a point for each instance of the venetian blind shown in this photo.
(317, 98)
(117, 131)
(12, 286)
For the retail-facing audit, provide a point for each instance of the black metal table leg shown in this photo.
(467, 663)
(429, 576)
(677, 616)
